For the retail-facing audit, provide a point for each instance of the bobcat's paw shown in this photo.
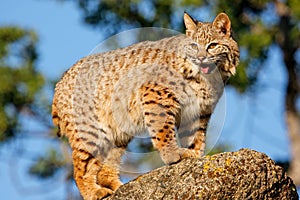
(171, 157)
(188, 153)
(102, 193)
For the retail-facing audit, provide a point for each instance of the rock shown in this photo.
(245, 174)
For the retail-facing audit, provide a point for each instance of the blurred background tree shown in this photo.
(20, 81)
(257, 25)
(24, 101)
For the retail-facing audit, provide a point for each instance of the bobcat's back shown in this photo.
(95, 90)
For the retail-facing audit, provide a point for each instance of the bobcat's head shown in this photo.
(212, 46)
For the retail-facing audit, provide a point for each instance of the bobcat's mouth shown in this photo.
(207, 68)
(205, 65)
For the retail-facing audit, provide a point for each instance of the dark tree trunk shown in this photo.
(289, 46)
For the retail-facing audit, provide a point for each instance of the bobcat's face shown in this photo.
(212, 46)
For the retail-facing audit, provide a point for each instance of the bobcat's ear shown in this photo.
(223, 24)
(190, 24)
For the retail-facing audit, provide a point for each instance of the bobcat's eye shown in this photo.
(212, 45)
(194, 46)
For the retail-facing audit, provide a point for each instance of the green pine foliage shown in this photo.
(47, 166)
(20, 81)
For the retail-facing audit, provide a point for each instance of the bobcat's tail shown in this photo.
(56, 119)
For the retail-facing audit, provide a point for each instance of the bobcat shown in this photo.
(163, 87)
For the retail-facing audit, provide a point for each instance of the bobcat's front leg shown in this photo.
(161, 112)
(193, 134)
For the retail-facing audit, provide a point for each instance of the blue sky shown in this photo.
(254, 120)
(63, 38)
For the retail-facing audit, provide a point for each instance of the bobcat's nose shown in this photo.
(202, 59)
(201, 54)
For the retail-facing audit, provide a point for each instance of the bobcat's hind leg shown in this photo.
(108, 176)
(96, 179)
